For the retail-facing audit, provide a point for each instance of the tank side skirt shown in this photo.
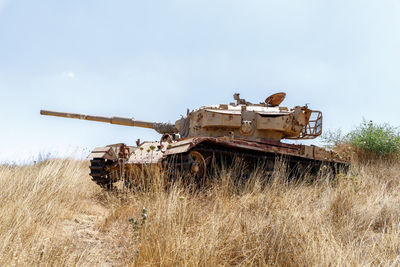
(251, 154)
(267, 147)
(247, 154)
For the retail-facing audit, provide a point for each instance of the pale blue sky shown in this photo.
(153, 59)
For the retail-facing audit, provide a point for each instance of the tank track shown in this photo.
(99, 174)
(252, 158)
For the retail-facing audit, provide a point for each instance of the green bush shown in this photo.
(379, 139)
(367, 140)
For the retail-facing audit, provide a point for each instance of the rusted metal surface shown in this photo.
(103, 152)
(185, 145)
(313, 128)
(307, 152)
(146, 153)
(275, 99)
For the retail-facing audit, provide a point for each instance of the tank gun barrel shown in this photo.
(157, 126)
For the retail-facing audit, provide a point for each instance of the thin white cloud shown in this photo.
(69, 74)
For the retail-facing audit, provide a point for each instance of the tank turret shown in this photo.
(253, 122)
(244, 120)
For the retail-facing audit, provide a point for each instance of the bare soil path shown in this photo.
(98, 247)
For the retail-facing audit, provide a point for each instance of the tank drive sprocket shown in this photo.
(99, 173)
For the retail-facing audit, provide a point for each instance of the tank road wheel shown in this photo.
(197, 166)
(191, 167)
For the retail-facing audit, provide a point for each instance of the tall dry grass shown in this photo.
(52, 214)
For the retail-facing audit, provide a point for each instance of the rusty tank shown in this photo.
(236, 131)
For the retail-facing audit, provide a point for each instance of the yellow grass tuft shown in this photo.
(51, 213)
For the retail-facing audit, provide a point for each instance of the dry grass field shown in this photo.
(51, 213)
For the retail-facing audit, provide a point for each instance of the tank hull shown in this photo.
(194, 155)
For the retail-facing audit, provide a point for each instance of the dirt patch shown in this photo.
(97, 247)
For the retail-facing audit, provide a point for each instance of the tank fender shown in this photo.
(182, 146)
(103, 153)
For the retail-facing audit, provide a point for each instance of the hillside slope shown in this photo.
(51, 213)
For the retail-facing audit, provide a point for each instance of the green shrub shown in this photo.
(379, 139)
(367, 141)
